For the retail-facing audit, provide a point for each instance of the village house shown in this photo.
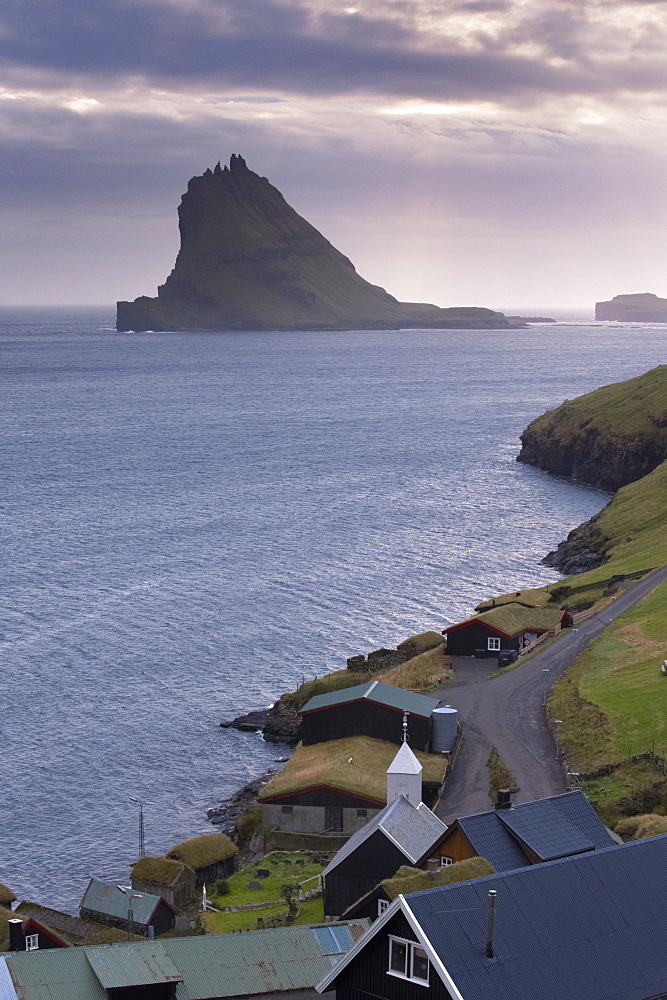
(121, 907)
(506, 628)
(588, 927)
(373, 709)
(70, 929)
(328, 791)
(20, 933)
(172, 880)
(210, 857)
(511, 836)
(283, 963)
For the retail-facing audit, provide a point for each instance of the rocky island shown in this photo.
(641, 307)
(248, 261)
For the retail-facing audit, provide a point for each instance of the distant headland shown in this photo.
(248, 261)
(641, 307)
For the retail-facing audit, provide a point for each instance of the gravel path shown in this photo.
(508, 713)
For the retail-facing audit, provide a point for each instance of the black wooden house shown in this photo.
(374, 709)
(509, 627)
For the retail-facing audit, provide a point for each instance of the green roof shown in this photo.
(107, 898)
(409, 879)
(381, 694)
(6, 895)
(74, 930)
(215, 965)
(162, 871)
(535, 598)
(329, 764)
(200, 852)
(514, 618)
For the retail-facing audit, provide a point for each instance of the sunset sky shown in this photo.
(501, 153)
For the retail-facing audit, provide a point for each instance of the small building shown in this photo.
(283, 963)
(210, 857)
(400, 834)
(507, 627)
(21, 933)
(108, 903)
(172, 880)
(72, 930)
(373, 709)
(408, 880)
(7, 897)
(526, 834)
(589, 927)
(328, 791)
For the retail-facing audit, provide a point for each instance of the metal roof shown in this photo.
(7, 991)
(552, 828)
(379, 693)
(414, 830)
(405, 762)
(107, 898)
(132, 965)
(215, 965)
(588, 927)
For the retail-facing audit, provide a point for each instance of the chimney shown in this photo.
(433, 865)
(503, 799)
(491, 916)
(16, 938)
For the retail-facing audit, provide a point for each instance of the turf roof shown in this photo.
(409, 879)
(6, 895)
(514, 618)
(327, 764)
(159, 870)
(535, 598)
(200, 852)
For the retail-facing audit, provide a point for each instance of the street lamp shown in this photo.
(545, 671)
(130, 914)
(142, 847)
(557, 722)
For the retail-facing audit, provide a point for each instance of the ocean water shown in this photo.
(193, 523)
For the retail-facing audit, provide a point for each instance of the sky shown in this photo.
(497, 153)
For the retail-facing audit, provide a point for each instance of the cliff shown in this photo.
(642, 307)
(607, 438)
(248, 261)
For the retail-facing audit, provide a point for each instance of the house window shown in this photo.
(286, 810)
(32, 942)
(362, 813)
(408, 960)
(492, 643)
(444, 861)
(383, 904)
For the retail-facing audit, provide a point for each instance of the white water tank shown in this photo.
(444, 729)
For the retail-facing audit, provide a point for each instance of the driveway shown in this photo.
(508, 713)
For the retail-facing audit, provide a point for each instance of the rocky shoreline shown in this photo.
(583, 549)
(279, 724)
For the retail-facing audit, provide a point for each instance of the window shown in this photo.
(32, 942)
(408, 960)
(446, 861)
(362, 813)
(286, 810)
(383, 904)
(492, 643)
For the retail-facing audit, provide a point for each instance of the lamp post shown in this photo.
(142, 846)
(545, 671)
(557, 722)
(130, 913)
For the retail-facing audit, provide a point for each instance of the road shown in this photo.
(508, 713)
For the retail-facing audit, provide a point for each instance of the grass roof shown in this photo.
(423, 641)
(639, 827)
(159, 870)
(409, 879)
(327, 764)
(5, 916)
(534, 598)
(514, 618)
(199, 852)
(6, 895)
(423, 671)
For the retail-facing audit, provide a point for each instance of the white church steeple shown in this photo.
(404, 774)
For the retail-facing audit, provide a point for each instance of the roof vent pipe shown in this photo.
(503, 799)
(491, 916)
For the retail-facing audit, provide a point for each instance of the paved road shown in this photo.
(508, 713)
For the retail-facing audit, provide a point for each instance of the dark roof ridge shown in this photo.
(518, 805)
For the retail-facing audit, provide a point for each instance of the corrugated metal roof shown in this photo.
(133, 965)
(381, 694)
(107, 898)
(589, 927)
(552, 828)
(216, 965)
(7, 991)
(414, 830)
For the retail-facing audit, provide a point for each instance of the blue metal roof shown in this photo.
(552, 828)
(381, 694)
(588, 927)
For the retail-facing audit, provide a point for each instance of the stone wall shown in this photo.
(381, 659)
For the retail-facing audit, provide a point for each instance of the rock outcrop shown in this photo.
(607, 438)
(642, 307)
(248, 261)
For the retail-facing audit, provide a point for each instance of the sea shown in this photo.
(194, 523)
